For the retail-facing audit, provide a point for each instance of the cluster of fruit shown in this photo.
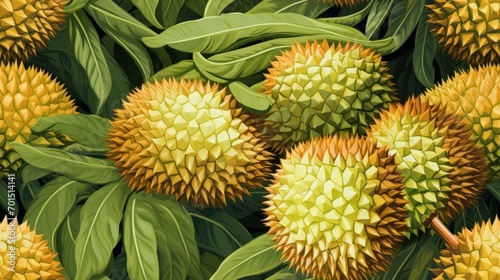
(359, 172)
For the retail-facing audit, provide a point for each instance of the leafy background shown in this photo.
(74, 197)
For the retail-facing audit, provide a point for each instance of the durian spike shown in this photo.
(449, 238)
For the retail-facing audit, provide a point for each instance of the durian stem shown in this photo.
(449, 238)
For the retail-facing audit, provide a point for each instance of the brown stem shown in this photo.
(449, 238)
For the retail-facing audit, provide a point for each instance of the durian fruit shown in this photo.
(478, 257)
(467, 29)
(442, 168)
(344, 2)
(27, 94)
(319, 89)
(474, 96)
(25, 255)
(27, 25)
(336, 208)
(188, 139)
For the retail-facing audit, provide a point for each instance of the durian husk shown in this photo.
(479, 257)
(467, 30)
(26, 95)
(32, 257)
(27, 26)
(318, 89)
(474, 96)
(189, 140)
(442, 168)
(318, 178)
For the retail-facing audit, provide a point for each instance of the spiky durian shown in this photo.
(474, 96)
(336, 208)
(27, 94)
(190, 140)
(479, 256)
(27, 25)
(25, 255)
(442, 168)
(467, 29)
(319, 89)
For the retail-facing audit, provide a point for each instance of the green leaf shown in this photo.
(139, 238)
(352, 19)
(90, 130)
(424, 258)
(131, 45)
(304, 7)
(29, 186)
(209, 264)
(238, 210)
(477, 214)
(424, 53)
(229, 31)
(66, 240)
(255, 102)
(75, 5)
(286, 274)
(445, 63)
(120, 267)
(99, 231)
(256, 257)
(403, 19)
(247, 61)
(170, 11)
(184, 69)
(80, 149)
(50, 207)
(76, 167)
(148, 10)
(8, 204)
(106, 12)
(175, 234)
(219, 233)
(215, 7)
(376, 17)
(494, 188)
(197, 6)
(89, 53)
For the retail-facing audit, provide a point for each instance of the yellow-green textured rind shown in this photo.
(189, 140)
(479, 257)
(336, 208)
(319, 89)
(474, 95)
(33, 259)
(27, 94)
(467, 29)
(27, 25)
(442, 169)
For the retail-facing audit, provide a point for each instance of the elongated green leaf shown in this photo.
(304, 7)
(184, 69)
(445, 63)
(256, 257)
(177, 248)
(287, 274)
(10, 206)
(228, 31)
(76, 167)
(90, 130)
(215, 7)
(75, 5)
(351, 19)
(29, 186)
(139, 238)
(89, 53)
(209, 264)
(403, 19)
(100, 219)
(247, 61)
(376, 17)
(80, 149)
(424, 258)
(219, 233)
(120, 267)
(494, 188)
(197, 6)
(424, 53)
(66, 240)
(256, 102)
(148, 10)
(111, 14)
(170, 10)
(51, 206)
(477, 214)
